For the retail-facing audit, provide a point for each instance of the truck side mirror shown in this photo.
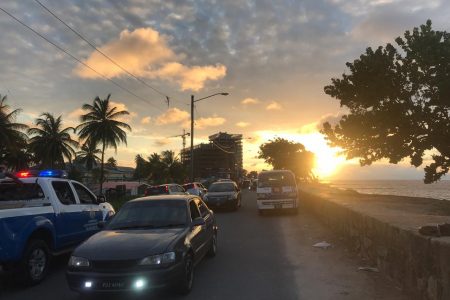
(101, 199)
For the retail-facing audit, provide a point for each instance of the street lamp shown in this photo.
(192, 127)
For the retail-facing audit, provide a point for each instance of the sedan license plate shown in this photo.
(111, 285)
(278, 206)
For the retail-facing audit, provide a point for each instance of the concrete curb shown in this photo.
(419, 265)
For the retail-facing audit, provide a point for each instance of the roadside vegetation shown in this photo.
(48, 144)
(398, 98)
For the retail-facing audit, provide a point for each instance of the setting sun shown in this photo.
(328, 160)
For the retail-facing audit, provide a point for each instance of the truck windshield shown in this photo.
(11, 191)
(277, 179)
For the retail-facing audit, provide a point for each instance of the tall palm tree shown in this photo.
(50, 143)
(11, 136)
(100, 124)
(88, 155)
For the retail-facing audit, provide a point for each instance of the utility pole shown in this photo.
(192, 138)
(192, 128)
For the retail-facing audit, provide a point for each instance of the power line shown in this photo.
(78, 60)
(167, 98)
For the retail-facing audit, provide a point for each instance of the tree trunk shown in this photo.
(101, 168)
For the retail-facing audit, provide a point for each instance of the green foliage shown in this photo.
(75, 174)
(111, 163)
(399, 103)
(160, 168)
(101, 124)
(13, 141)
(286, 155)
(50, 143)
(88, 155)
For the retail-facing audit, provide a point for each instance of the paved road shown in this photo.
(268, 257)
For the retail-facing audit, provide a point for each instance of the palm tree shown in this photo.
(50, 143)
(100, 124)
(88, 155)
(12, 138)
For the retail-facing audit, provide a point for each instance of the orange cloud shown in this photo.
(172, 116)
(146, 120)
(242, 124)
(274, 106)
(247, 101)
(209, 122)
(146, 53)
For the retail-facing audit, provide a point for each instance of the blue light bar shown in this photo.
(53, 173)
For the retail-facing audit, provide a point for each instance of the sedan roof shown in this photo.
(164, 197)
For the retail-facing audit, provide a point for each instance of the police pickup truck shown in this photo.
(45, 215)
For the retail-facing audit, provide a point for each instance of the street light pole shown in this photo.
(192, 138)
(192, 128)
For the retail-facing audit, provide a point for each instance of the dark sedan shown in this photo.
(151, 242)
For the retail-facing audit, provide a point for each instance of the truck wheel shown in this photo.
(35, 262)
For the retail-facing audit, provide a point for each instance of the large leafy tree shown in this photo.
(399, 103)
(89, 155)
(102, 124)
(50, 143)
(13, 140)
(286, 155)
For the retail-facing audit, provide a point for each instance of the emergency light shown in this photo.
(42, 173)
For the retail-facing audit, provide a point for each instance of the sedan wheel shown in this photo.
(213, 249)
(188, 278)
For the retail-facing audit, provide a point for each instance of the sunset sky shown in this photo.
(273, 57)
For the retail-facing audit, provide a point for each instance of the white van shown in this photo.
(277, 189)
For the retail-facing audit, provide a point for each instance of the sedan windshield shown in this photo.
(222, 187)
(150, 214)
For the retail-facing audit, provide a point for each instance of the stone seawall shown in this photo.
(419, 265)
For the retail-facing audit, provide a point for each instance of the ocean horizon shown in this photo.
(411, 188)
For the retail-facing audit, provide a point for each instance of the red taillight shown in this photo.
(167, 189)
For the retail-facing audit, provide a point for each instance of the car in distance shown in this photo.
(223, 194)
(195, 188)
(152, 242)
(277, 189)
(165, 189)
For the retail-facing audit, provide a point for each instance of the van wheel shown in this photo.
(35, 262)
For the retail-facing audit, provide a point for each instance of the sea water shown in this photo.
(412, 188)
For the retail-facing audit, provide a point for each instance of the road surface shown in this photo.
(260, 257)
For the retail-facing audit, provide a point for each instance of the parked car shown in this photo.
(224, 194)
(165, 189)
(195, 188)
(277, 189)
(152, 242)
(45, 215)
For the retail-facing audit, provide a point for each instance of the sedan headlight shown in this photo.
(160, 259)
(78, 262)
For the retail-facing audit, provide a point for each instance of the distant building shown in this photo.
(220, 158)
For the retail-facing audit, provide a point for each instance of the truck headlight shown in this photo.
(160, 259)
(232, 197)
(78, 262)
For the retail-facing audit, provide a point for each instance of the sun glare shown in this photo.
(328, 161)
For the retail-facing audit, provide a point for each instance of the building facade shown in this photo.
(220, 158)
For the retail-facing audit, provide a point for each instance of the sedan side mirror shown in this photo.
(198, 222)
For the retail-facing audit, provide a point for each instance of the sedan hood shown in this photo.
(127, 244)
